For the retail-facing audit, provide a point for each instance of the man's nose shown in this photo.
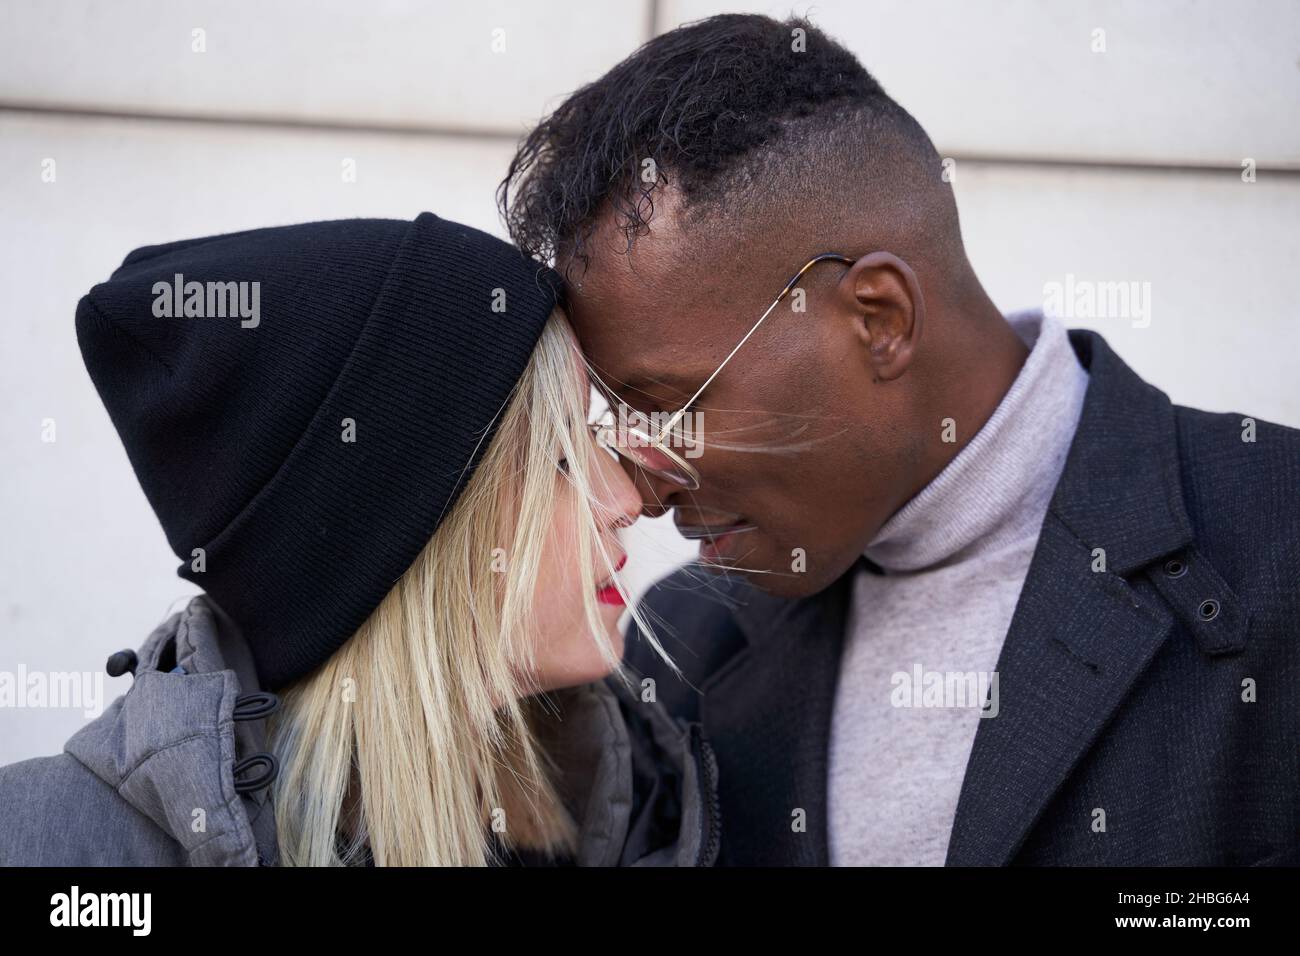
(656, 493)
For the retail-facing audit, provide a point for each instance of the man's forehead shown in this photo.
(654, 313)
(617, 307)
(656, 259)
(677, 306)
(616, 271)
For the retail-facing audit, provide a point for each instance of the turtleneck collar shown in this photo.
(997, 489)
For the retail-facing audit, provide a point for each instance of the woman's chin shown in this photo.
(577, 661)
(588, 668)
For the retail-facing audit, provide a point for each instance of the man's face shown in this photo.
(795, 444)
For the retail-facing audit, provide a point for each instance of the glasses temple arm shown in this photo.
(677, 416)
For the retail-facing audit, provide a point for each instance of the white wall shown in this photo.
(1114, 166)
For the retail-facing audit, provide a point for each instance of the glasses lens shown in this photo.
(657, 461)
(640, 449)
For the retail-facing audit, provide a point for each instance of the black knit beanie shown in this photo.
(303, 405)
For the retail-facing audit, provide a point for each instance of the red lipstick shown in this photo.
(609, 594)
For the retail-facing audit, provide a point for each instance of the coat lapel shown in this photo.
(1077, 643)
(768, 715)
(1079, 638)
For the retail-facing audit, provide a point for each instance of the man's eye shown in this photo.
(644, 406)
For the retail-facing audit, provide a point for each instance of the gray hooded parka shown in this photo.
(174, 772)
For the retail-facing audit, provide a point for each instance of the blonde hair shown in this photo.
(423, 706)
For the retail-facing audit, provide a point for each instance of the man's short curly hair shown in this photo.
(695, 107)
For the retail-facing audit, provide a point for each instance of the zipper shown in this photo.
(706, 768)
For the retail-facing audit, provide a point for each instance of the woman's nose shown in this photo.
(617, 493)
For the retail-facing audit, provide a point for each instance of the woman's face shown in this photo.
(566, 654)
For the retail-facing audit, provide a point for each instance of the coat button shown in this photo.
(256, 705)
(121, 662)
(1208, 610)
(1175, 568)
(269, 766)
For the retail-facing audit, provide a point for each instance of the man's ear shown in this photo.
(883, 293)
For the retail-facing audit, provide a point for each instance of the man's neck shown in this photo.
(994, 494)
(982, 357)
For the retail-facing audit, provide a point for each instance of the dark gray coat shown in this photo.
(153, 780)
(1124, 690)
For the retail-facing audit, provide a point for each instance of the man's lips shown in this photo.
(713, 527)
(716, 535)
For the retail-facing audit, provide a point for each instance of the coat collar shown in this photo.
(1121, 488)
(1077, 642)
(1080, 636)
(637, 782)
(170, 744)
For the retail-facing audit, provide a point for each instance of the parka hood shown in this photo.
(170, 745)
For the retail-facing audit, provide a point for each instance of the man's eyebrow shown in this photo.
(638, 380)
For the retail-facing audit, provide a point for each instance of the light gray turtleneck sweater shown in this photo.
(923, 639)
